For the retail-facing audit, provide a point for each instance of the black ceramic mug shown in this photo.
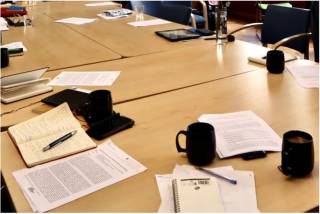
(4, 57)
(98, 106)
(200, 143)
(297, 154)
(275, 61)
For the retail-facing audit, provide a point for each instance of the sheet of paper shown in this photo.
(165, 189)
(99, 4)
(236, 198)
(241, 132)
(260, 58)
(51, 185)
(3, 24)
(76, 20)
(149, 22)
(14, 45)
(305, 72)
(88, 78)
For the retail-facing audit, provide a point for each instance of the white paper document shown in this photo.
(235, 198)
(149, 22)
(53, 184)
(76, 20)
(3, 24)
(305, 72)
(88, 78)
(14, 45)
(262, 57)
(99, 4)
(241, 132)
(166, 193)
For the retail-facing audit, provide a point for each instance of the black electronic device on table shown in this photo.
(75, 99)
(99, 128)
(177, 34)
(202, 32)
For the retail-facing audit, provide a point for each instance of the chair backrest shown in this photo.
(152, 8)
(281, 22)
(183, 3)
(165, 10)
(315, 28)
(178, 13)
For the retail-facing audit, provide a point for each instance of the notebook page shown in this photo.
(32, 151)
(56, 121)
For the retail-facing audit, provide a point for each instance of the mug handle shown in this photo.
(179, 148)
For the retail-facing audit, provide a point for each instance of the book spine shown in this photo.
(177, 207)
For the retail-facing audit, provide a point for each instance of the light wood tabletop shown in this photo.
(117, 34)
(53, 45)
(277, 99)
(158, 73)
(72, 8)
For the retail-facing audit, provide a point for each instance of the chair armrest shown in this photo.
(290, 39)
(230, 37)
(245, 27)
(193, 21)
(205, 14)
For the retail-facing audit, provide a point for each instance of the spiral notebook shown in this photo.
(196, 195)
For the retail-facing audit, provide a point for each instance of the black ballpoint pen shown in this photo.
(59, 140)
(218, 176)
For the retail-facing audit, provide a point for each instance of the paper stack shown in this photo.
(241, 132)
(235, 198)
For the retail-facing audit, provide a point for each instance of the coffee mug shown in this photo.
(4, 57)
(200, 143)
(297, 156)
(98, 106)
(275, 61)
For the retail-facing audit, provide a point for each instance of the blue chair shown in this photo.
(198, 19)
(152, 8)
(263, 5)
(315, 28)
(175, 13)
(284, 26)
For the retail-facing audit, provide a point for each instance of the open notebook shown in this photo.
(196, 195)
(33, 135)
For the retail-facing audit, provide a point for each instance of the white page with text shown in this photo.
(241, 132)
(53, 184)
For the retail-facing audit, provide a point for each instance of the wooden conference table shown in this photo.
(158, 73)
(117, 35)
(52, 45)
(164, 87)
(277, 99)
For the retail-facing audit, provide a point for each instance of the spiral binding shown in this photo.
(177, 207)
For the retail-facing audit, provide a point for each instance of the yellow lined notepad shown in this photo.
(33, 135)
(196, 195)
